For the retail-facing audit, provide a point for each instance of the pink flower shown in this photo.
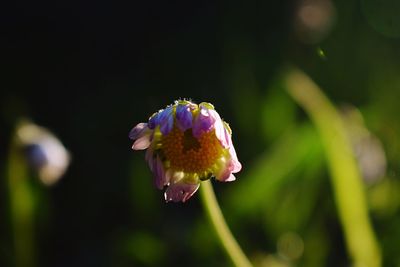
(186, 143)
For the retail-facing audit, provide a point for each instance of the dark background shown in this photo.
(90, 70)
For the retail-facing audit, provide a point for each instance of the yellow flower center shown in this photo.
(190, 154)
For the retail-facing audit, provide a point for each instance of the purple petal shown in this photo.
(160, 177)
(219, 129)
(142, 142)
(154, 120)
(236, 166)
(137, 130)
(226, 173)
(166, 119)
(180, 191)
(204, 122)
(184, 117)
(232, 165)
(149, 157)
(142, 136)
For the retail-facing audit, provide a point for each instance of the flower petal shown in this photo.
(219, 129)
(224, 175)
(154, 120)
(184, 117)
(228, 166)
(166, 119)
(236, 166)
(149, 156)
(137, 130)
(159, 173)
(203, 122)
(180, 191)
(142, 136)
(231, 178)
(142, 142)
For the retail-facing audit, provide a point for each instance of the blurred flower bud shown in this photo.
(43, 151)
(313, 20)
(367, 148)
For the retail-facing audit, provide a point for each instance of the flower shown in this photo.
(186, 143)
(43, 151)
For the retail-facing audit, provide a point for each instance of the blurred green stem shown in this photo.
(21, 208)
(217, 220)
(346, 179)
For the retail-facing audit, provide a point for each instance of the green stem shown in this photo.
(21, 208)
(217, 220)
(346, 178)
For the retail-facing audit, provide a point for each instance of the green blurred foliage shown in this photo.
(91, 80)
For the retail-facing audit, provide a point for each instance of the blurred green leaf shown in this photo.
(278, 112)
(262, 184)
(347, 183)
